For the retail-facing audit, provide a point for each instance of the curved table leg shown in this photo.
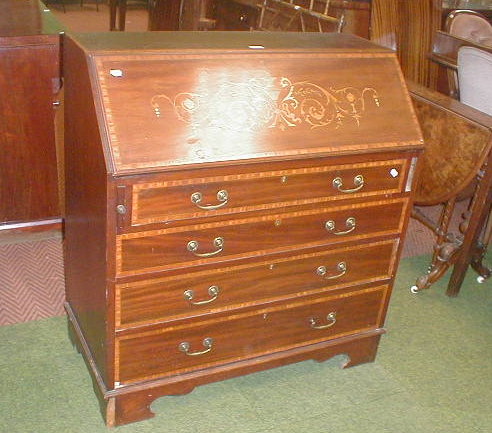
(445, 249)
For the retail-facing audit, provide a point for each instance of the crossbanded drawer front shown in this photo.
(205, 292)
(159, 202)
(208, 243)
(178, 349)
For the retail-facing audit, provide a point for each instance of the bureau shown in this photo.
(235, 202)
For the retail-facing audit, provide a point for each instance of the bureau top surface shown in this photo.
(170, 100)
(209, 41)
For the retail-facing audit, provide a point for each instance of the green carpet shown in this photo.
(433, 374)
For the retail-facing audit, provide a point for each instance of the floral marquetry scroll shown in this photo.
(266, 102)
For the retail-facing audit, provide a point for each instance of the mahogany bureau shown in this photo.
(235, 202)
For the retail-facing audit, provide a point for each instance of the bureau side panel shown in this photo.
(86, 201)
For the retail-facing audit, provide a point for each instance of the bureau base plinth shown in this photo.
(131, 403)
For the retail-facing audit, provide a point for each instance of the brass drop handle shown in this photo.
(341, 268)
(185, 347)
(358, 182)
(222, 197)
(350, 223)
(213, 291)
(331, 318)
(218, 242)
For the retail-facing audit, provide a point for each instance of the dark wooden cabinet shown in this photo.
(235, 202)
(29, 82)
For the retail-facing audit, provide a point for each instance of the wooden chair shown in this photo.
(474, 78)
(471, 26)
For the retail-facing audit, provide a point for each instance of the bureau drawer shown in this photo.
(178, 349)
(206, 292)
(240, 238)
(159, 202)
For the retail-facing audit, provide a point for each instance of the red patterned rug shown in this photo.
(31, 279)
